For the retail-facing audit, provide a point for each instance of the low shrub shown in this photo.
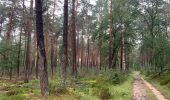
(61, 90)
(117, 78)
(104, 94)
(17, 97)
(165, 80)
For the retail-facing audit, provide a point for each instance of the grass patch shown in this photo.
(122, 91)
(162, 83)
(150, 94)
(102, 86)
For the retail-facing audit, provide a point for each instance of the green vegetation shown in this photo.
(115, 86)
(82, 49)
(150, 94)
(161, 82)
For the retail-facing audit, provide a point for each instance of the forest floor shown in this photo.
(100, 86)
(112, 86)
(143, 90)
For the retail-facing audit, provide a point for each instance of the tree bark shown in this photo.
(27, 61)
(53, 43)
(19, 47)
(19, 52)
(64, 61)
(42, 62)
(46, 36)
(73, 31)
(110, 36)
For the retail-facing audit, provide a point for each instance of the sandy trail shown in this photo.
(139, 86)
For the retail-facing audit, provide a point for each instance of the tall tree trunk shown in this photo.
(77, 35)
(27, 61)
(19, 47)
(123, 63)
(110, 36)
(88, 51)
(73, 31)
(19, 52)
(82, 51)
(52, 55)
(64, 61)
(53, 43)
(42, 62)
(46, 36)
(8, 36)
(124, 60)
(99, 39)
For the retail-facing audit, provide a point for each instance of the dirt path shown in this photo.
(139, 85)
(138, 88)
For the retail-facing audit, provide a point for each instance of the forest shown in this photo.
(84, 49)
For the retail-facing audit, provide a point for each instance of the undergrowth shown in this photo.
(103, 86)
(161, 82)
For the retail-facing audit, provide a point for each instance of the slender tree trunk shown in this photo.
(35, 54)
(110, 36)
(36, 66)
(64, 61)
(100, 40)
(82, 50)
(53, 43)
(8, 36)
(46, 36)
(42, 62)
(10, 73)
(77, 45)
(88, 51)
(123, 63)
(74, 49)
(19, 52)
(19, 47)
(52, 55)
(27, 61)
(123, 47)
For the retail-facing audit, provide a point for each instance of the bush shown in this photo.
(165, 80)
(6, 87)
(17, 97)
(52, 87)
(14, 92)
(104, 94)
(61, 90)
(117, 78)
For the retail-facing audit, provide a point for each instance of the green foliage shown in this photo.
(57, 89)
(61, 90)
(159, 46)
(5, 86)
(161, 82)
(52, 87)
(104, 94)
(165, 80)
(13, 97)
(8, 55)
(117, 78)
(14, 92)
